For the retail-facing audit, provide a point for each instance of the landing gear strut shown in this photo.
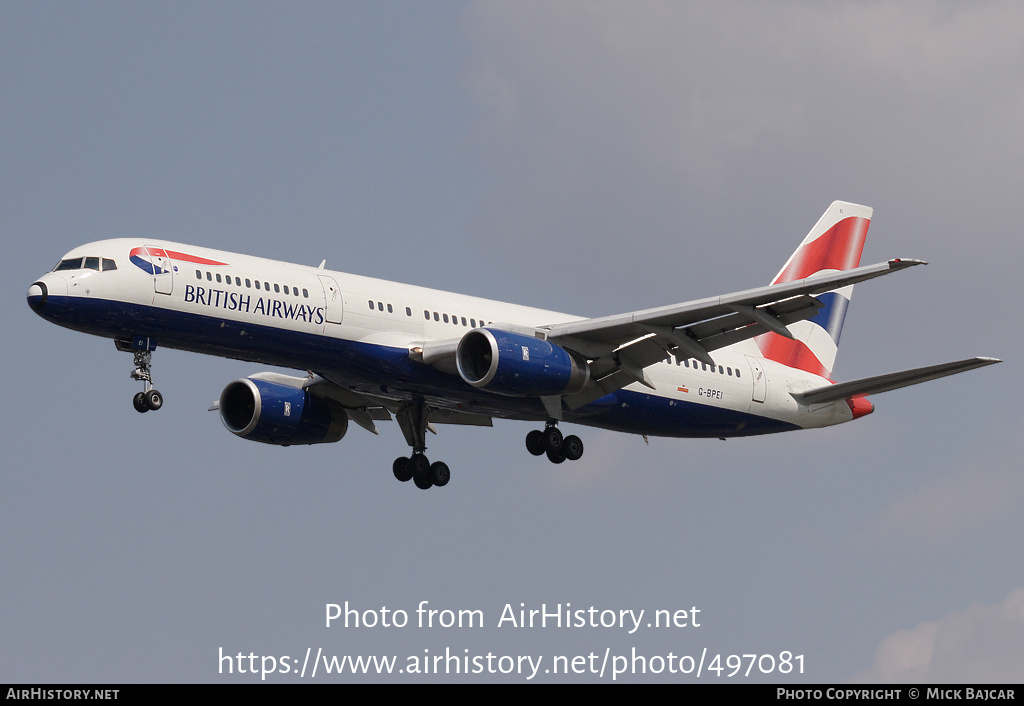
(550, 441)
(148, 399)
(413, 419)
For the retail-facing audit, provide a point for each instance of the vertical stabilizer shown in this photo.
(834, 244)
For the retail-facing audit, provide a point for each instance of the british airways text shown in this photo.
(236, 301)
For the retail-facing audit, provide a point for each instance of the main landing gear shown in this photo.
(148, 399)
(413, 419)
(421, 471)
(551, 442)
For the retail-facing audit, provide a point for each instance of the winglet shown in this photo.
(900, 263)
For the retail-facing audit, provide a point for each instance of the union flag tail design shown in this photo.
(834, 244)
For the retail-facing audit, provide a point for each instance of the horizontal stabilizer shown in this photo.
(891, 381)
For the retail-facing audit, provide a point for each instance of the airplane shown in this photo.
(753, 362)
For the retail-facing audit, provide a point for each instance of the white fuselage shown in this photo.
(361, 330)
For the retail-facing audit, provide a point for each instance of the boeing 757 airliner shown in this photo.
(753, 362)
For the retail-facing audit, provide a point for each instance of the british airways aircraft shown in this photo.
(752, 362)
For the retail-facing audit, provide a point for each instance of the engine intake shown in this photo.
(271, 413)
(516, 365)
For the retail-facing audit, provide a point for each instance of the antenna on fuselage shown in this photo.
(322, 263)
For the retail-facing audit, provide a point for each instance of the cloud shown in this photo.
(617, 130)
(983, 644)
(982, 489)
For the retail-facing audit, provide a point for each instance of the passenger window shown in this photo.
(238, 281)
(248, 283)
(277, 288)
(370, 302)
(472, 322)
(266, 285)
(436, 317)
(390, 310)
(218, 277)
(408, 311)
(426, 315)
(199, 275)
(209, 277)
(305, 293)
(286, 289)
(380, 306)
(445, 317)
(257, 284)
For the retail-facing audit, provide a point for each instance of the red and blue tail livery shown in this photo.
(834, 244)
(754, 362)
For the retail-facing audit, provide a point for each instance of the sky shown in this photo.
(590, 157)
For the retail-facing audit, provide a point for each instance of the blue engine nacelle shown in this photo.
(516, 365)
(272, 413)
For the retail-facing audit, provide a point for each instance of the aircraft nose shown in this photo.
(37, 294)
(46, 292)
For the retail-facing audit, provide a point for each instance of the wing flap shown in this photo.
(625, 365)
(362, 409)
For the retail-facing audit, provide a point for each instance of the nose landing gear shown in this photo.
(148, 399)
(145, 401)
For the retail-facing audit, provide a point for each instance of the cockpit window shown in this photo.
(74, 263)
(86, 263)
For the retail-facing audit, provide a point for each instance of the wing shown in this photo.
(620, 347)
(361, 409)
(364, 409)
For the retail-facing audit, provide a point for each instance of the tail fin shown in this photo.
(834, 244)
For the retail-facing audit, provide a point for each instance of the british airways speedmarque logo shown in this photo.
(157, 261)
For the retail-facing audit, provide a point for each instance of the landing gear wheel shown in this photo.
(154, 400)
(572, 447)
(414, 419)
(556, 456)
(535, 442)
(439, 474)
(139, 401)
(552, 439)
(421, 474)
(401, 469)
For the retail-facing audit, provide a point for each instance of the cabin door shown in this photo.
(332, 297)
